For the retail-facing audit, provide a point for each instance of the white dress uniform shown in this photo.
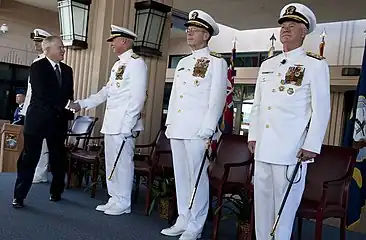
(290, 112)
(41, 173)
(125, 94)
(195, 106)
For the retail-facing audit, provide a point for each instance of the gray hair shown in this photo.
(47, 42)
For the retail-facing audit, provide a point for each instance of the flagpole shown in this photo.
(322, 43)
(272, 48)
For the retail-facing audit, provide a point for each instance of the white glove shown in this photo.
(205, 133)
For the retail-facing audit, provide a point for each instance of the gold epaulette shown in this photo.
(315, 55)
(269, 57)
(135, 56)
(215, 54)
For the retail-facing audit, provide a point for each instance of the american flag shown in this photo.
(225, 124)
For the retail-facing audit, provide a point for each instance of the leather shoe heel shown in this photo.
(54, 198)
(17, 203)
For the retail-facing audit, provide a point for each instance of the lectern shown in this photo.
(11, 146)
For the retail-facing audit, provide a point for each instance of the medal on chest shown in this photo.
(295, 75)
(119, 72)
(200, 68)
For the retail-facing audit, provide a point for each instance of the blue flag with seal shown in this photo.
(356, 132)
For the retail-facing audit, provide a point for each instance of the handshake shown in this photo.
(73, 106)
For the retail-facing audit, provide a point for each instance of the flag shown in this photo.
(356, 131)
(225, 124)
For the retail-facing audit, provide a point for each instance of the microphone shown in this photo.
(283, 61)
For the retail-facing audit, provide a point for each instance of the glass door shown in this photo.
(243, 100)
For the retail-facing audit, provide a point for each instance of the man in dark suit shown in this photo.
(46, 117)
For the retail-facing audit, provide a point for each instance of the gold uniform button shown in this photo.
(269, 108)
(179, 110)
(267, 126)
(181, 96)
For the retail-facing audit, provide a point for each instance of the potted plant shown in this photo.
(162, 195)
(239, 206)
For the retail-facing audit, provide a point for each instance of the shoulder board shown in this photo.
(314, 55)
(269, 57)
(218, 55)
(135, 56)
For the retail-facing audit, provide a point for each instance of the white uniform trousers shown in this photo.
(270, 185)
(187, 159)
(41, 173)
(120, 186)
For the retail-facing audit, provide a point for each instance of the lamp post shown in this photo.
(74, 18)
(150, 21)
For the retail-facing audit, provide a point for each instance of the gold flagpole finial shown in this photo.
(272, 48)
(323, 34)
(322, 43)
(235, 41)
(273, 39)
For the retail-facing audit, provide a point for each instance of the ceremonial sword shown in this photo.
(294, 173)
(115, 162)
(119, 154)
(199, 174)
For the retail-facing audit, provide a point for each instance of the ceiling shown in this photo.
(46, 4)
(242, 15)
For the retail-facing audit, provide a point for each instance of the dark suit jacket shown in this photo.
(46, 114)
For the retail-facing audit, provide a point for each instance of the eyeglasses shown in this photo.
(189, 30)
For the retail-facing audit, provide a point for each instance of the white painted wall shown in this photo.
(344, 41)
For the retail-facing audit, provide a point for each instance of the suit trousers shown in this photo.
(270, 185)
(187, 159)
(120, 186)
(27, 164)
(42, 167)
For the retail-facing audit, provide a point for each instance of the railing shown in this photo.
(17, 56)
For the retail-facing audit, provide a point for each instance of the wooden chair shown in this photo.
(90, 156)
(231, 172)
(77, 140)
(326, 189)
(147, 164)
(82, 126)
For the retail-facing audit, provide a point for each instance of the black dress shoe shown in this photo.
(17, 203)
(55, 198)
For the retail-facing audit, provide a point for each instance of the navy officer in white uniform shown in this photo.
(125, 93)
(288, 121)
(41, 173)
(195, 106)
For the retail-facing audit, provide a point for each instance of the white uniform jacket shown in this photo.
(125, 94)
(198, 94)
(292, 88)
(29, 90)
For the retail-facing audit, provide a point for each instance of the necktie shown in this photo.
(58, 75)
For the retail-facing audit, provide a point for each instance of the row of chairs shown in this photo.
(327, 182)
